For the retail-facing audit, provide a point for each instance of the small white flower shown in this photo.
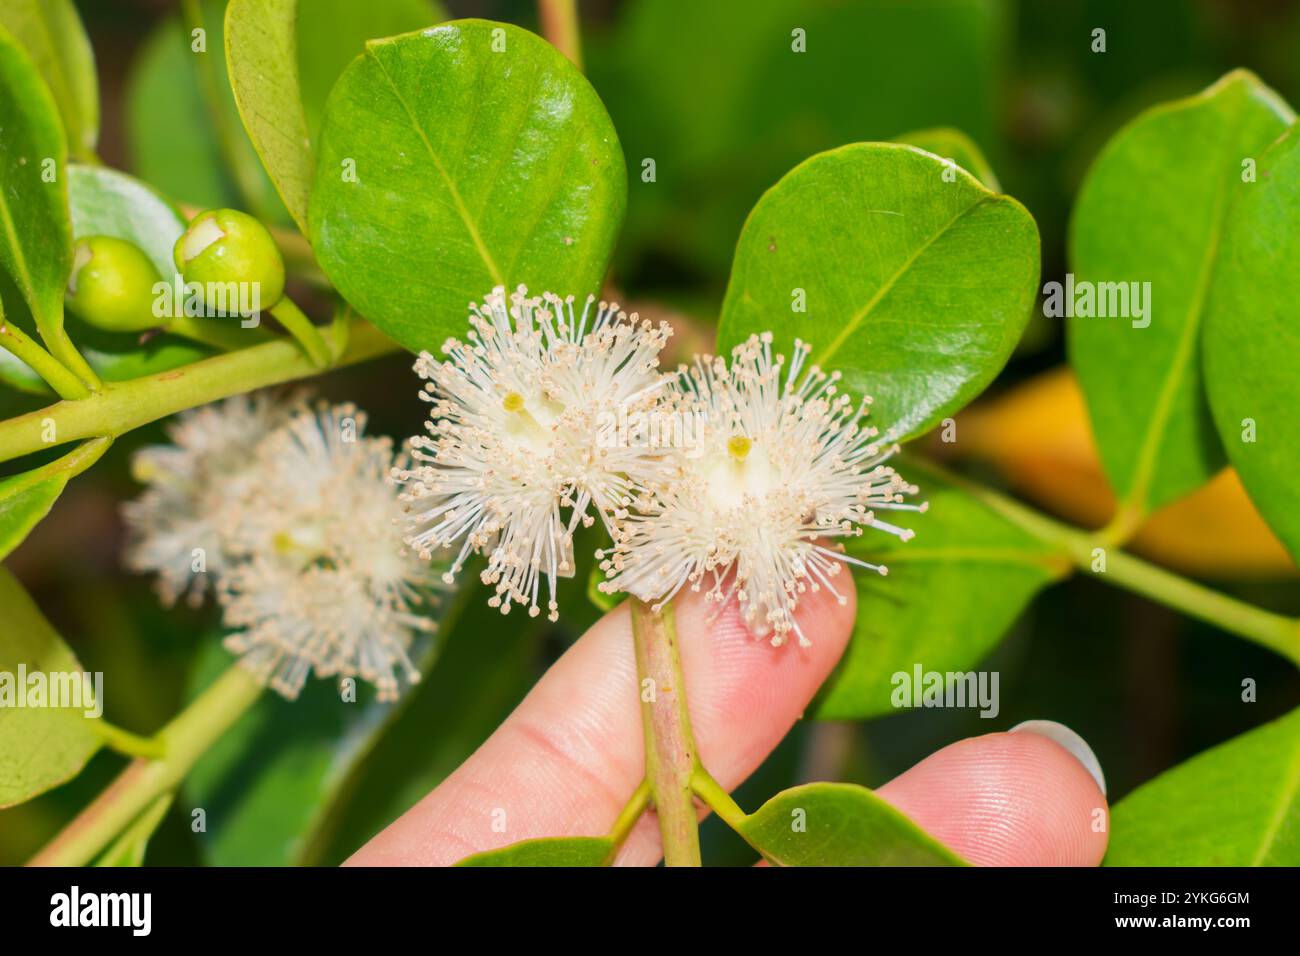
(784, 466)
(518, 436)
(321, 581)
(301, 531)
(178, 527)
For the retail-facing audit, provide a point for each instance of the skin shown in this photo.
(566, 760)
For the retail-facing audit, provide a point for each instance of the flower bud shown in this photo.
(222, 246)
(111, 286)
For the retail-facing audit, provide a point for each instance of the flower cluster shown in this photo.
(320, 544)
(285, 511)
(518, 453)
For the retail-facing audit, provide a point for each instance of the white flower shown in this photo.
(784, 466)
(177, 527)
(519, 434)
(321, 581)
(299, 528)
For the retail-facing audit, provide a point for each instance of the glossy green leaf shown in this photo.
(332, 33)
(27, 498)
(840, 824)
(1235, 805)
(35, 236)
(1152, 210)
(986, 569)
(914, 287)
(954, 145)
(549, 851)
(483, 672)
(40, 747)
(291, 757)
(105, 202)
(1251, 340)
(474, 168)
(51, 32)
(262, 60)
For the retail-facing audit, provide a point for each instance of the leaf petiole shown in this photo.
(716, 798)
(630, 814)
(55, 373)
(125, 742)
(304, 330)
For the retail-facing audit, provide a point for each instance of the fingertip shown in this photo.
(1007, 799)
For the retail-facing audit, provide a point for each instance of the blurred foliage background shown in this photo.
(710, 92)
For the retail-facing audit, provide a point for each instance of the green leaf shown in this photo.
(40, 747)
(105, 202)
(953, 144)
(291, 758)
(986, 569)
(548, 851)
(839, 824)
(336, 33)
(915, 288)
(262, 61)
(483, 672)
(474, 169)
(1251, 339)
(51, 32)
(1235, 805)
(27, 498)
(35, 235)
(1152, 209)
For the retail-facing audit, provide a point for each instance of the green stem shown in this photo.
(671, 757)
(184, 741)
(133, 838)
(304, 330)
(559, 21)
(122, 406)
(717, 798)
(1277, 632)
(55, 373)
(224, 334)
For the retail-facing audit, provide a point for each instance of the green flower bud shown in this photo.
(112, 285)
(223, 246)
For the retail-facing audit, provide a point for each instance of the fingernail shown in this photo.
(1067, 738)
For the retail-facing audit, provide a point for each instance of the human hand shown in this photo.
(566, 761)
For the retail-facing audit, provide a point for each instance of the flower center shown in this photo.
(743, 470)
(738, 447)
(523, 424)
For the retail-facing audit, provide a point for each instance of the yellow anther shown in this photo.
(513, 402)
(738, 447)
